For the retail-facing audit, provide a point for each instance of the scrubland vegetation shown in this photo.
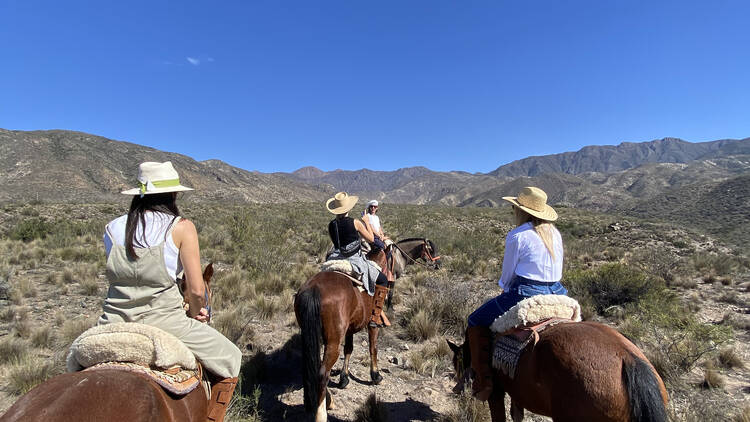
(679, 294)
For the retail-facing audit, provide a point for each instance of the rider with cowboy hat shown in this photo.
(345, 233)
(532, 265)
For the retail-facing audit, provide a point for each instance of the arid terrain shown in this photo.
(681, 293)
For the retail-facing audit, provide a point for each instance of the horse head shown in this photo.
(461, 364)
(429, 253)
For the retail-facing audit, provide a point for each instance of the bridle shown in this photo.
(426, 255)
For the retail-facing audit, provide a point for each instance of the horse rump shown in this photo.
(644, 392)
(308, 317)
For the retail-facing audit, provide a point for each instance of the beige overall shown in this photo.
(143, 291)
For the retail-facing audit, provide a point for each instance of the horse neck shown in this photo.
(412, 248)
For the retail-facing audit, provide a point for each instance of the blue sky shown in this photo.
(450, 85)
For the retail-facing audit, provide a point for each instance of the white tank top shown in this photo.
(157, 225)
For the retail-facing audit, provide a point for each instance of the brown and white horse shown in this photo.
(330, 308)
(582, 371)
(109, 395)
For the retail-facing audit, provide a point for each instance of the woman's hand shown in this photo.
(202, 315)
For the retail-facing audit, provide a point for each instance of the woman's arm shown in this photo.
(364, 229)
(185, 237)
(510, 260)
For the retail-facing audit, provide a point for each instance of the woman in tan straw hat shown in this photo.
(146, 249)
(345, 233)
(532, 265)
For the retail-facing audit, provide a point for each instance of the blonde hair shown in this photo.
(543, 228)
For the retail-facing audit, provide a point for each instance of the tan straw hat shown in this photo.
(533, 201)
(341, 203)
(156, 178)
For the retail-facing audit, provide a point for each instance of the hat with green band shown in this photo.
(156, 178)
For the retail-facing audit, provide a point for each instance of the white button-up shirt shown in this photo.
(526, 256)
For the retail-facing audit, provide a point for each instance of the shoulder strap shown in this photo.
(173, 224)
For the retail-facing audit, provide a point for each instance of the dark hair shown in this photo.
(159, 202)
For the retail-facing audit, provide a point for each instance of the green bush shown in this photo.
(610, 285)
(30, 229)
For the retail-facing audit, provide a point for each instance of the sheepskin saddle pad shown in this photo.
(521, 324)
(136, 347)
(345, 267)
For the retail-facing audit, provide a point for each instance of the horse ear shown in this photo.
(208, 272)
(454, 347)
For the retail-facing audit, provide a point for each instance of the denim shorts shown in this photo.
(522, 288)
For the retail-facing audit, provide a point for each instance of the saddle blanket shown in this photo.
(512, 332)
(176, 380)
(129, 342)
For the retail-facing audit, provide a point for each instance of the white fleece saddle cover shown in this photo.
(345, 267)
(535, 309)
(129, 342)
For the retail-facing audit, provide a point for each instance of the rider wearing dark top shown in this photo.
(343, 233)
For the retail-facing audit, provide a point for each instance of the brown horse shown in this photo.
(330, 308)
(408, 251)
(581, 371)
(109, 395)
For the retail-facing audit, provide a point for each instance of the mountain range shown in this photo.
(678, 178)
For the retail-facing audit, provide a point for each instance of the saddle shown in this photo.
(139, 348)
(344, 267)
(520, 326)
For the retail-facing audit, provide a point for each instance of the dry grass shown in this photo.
(729, 358)
(26, 373)
(372, 410)
(712, 379)
(42, 337)
(467, 409)
(12, 348)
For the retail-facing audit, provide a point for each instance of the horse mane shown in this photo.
(412, 239)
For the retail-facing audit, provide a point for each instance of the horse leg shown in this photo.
(330, 356)
(389, 298)
(348, 348)
(516, 411)
(374, 374)
(497, 404)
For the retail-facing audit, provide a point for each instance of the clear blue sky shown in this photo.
(450, 85)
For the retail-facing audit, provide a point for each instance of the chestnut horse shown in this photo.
(109, 395)
(581, 371)
(330, 308)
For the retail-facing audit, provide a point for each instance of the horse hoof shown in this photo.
(375, 377)
(343, 381)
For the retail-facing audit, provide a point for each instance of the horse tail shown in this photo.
(644, 392)
(312, 331)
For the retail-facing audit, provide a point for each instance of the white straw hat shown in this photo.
(533, 201)
(341, 203)
(156, 178)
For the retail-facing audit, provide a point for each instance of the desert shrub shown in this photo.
(26, 373)
(729, 358)
(26, 287)
(71, 329)
(610, 285)
(372, 410)
(233, 323)
(743, 415)
(673, 338)
(265, 307)
(715, 264)
(467, 409)
(42, 337)
(89, 287)
(447, 303)
(22, 328)
(245, 408)
(12, 348)
(422, 326)
(431, 359)
(712, 379)
(8, 313)
(29, 229)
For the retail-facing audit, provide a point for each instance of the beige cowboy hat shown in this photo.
(156, 178)
(341, 203)
(533, 201)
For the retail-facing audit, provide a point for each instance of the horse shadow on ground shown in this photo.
(279, 373)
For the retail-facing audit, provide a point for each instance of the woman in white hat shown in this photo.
(345, 233)
(377, 229)
(532, 265)
(146, 249)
